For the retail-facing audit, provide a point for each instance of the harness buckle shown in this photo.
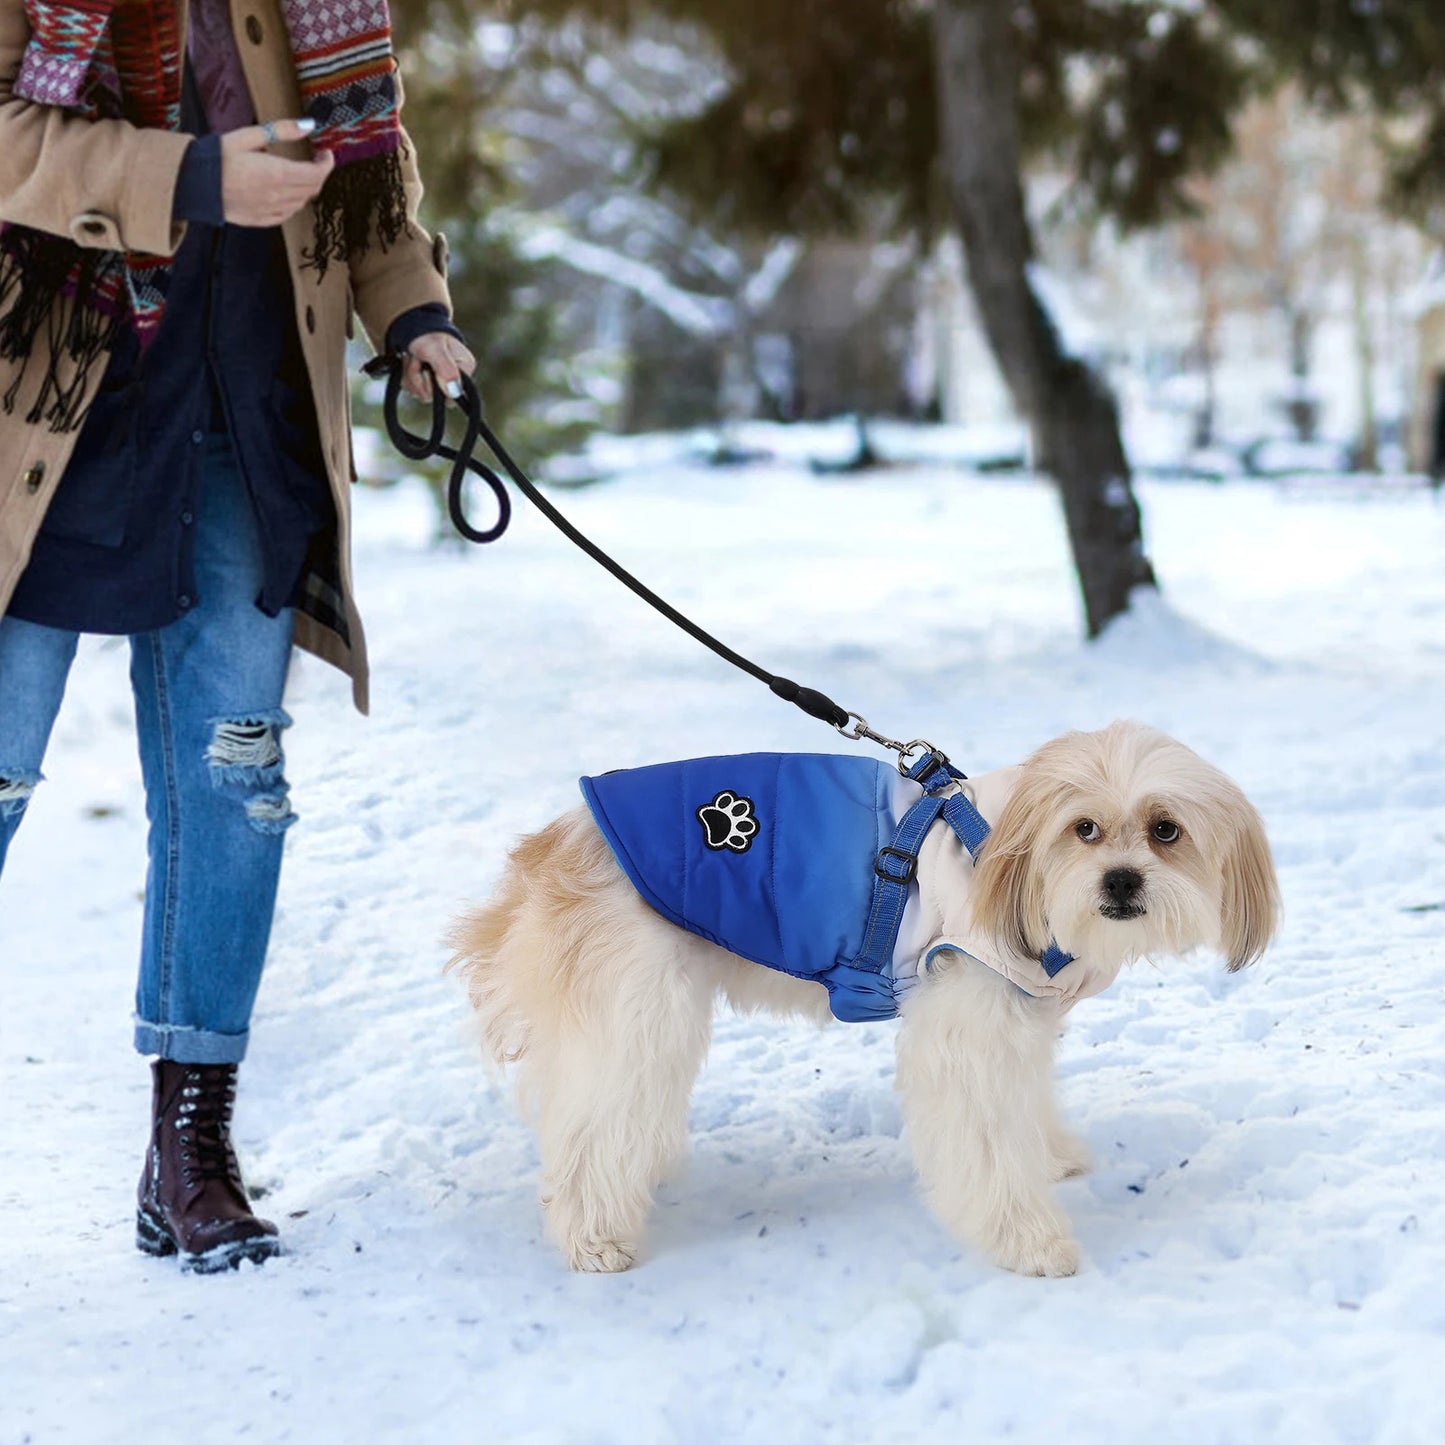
(909, 861)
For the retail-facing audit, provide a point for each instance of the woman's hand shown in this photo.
(259, 189)
(446, 356)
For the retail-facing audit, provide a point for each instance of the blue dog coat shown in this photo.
(792, 860)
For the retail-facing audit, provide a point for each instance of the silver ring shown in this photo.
(268, 129)
(911, 754)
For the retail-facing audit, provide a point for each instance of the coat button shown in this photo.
(254, 33)
(33, 477)
(311, 320)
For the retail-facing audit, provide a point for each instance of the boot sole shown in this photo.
(152, 1237)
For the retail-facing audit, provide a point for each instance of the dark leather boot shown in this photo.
(191, 1199)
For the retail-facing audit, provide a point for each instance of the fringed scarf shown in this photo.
(121, 59)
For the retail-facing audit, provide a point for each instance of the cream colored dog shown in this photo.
(1117, 845)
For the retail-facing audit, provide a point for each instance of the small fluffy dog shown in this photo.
(1114, 845)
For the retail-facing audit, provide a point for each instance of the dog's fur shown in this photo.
(607, 1008)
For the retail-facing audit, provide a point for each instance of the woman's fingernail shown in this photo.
(454, 390)
(306, 126)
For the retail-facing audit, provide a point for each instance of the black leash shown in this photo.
(464, 459)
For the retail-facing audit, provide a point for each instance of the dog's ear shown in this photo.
(1250, 904)
(1008, 893)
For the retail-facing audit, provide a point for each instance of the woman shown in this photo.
(190, 213)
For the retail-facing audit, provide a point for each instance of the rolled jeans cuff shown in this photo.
(189, 1046)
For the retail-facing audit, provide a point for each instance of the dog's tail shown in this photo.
(517, 951)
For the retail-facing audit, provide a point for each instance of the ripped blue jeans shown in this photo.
(208, 692)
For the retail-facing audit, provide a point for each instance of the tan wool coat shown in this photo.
(110, 185)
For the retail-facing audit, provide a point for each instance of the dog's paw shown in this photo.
(600, 1256)
(728, 822)
(1046, 1256)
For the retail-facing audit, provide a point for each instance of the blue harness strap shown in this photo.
(933, 772)
(965, 820)
(862, 991)
(1055, 960)
(897, 865)
(893, 871)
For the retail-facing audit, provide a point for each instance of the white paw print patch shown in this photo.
(728, 822)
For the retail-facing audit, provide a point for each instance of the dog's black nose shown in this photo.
(1123, 884)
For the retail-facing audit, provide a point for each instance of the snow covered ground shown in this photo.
(1265, 1228)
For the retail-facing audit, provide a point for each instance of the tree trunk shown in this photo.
(1368, 459)
(1208, 418)
(1303, 408)
(1070, 409)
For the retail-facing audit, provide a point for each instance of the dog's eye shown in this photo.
(1166, 832)
(1088, 830)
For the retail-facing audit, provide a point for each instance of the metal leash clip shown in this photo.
(910, 754)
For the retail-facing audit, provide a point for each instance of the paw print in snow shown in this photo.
(728, 822)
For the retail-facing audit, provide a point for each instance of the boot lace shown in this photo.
(203, 1121)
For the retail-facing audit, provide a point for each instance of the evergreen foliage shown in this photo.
(830, 107)
(1383, 57)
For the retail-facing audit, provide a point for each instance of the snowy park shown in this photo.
(1262, 1229)
(993, 372)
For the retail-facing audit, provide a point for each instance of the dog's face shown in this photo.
(1124, 843)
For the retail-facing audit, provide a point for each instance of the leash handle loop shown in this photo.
(418, 448)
